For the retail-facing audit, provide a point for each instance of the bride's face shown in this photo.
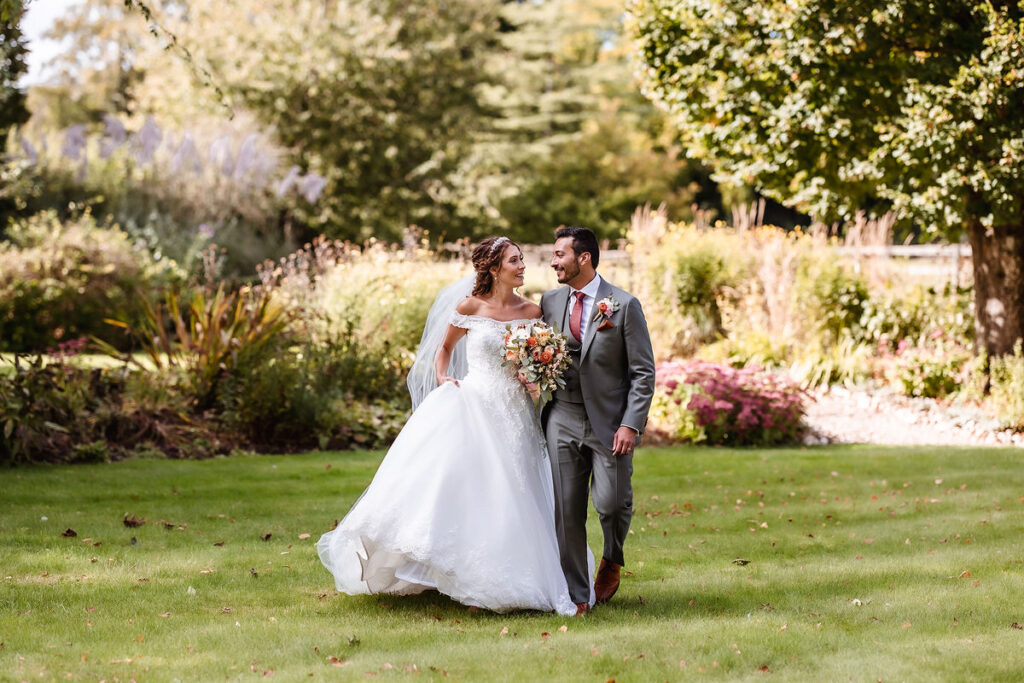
(511, 269)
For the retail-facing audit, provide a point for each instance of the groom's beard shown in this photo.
(567, 273)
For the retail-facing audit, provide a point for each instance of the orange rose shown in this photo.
(546, 357)
(603, 307)
(532, 341)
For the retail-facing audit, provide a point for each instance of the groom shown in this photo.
(594, 423)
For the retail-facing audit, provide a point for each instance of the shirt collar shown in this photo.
(589, 289)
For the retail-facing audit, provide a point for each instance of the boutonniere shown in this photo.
(603, 310)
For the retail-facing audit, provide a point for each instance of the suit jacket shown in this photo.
(616, 364)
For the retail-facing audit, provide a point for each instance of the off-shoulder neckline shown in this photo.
(495, 320)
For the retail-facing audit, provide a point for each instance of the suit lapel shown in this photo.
(604, 290)
(561, 303)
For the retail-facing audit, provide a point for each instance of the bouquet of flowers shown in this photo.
(540, 356)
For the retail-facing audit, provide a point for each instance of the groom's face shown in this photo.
(564, 261)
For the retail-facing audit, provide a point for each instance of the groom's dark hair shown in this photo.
(583, 241)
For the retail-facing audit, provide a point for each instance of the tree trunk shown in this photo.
(998, 258)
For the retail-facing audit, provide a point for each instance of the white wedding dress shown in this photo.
(463, 501)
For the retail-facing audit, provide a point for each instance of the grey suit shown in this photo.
(611, 384)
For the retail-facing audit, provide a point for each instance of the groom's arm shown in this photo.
(640, 366)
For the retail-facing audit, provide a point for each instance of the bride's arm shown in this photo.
(444, 354)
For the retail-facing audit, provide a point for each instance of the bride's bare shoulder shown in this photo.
(469, 306)
(530, 309)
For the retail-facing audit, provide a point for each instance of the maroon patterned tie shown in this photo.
(577, 316)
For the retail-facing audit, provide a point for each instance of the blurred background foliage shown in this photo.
(250, 206)
(279, 121)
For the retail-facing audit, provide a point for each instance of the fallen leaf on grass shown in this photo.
(133, 521)
(205, 571)
(253, 573)
(303, 537)
(545, 635)
(504, 632)
(740, 561)
(266, 536)
(334, 661)
(219, 543)
(69, 533)
(225, 610)
(165, 615)
(1016, 626)
(563, 628)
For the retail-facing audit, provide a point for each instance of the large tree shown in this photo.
(575, 141)
(833, 107)
(380, 97)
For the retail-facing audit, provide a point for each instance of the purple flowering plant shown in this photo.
(729, 406)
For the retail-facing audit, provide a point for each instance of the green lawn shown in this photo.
(864, 563)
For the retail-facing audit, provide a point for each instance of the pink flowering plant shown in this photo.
(539, 354)
(728, 406)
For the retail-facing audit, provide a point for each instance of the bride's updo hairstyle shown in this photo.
(487, 255)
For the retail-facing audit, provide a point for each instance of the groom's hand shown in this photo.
(625, 439)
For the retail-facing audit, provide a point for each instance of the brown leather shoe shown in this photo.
(607, 581)
(582, 608)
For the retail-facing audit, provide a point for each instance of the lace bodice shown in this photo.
(496, 386)
(485, 342)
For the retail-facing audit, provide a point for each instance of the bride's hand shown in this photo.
(441, 379)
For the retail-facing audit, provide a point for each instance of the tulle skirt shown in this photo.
(462, 503)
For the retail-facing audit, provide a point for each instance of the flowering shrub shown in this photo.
(742, 407)
(59, 280)
(928, 373)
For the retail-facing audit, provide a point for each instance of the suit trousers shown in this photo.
(580, 464)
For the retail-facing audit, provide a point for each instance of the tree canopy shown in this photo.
(867, 105)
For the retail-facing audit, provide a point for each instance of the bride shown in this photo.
(463, 501)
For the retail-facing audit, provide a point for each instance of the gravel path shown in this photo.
(839, 415)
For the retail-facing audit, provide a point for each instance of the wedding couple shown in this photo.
(471, 499)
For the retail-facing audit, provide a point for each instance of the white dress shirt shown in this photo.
(589, 299)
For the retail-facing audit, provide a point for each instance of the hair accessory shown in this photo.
(500, 240)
